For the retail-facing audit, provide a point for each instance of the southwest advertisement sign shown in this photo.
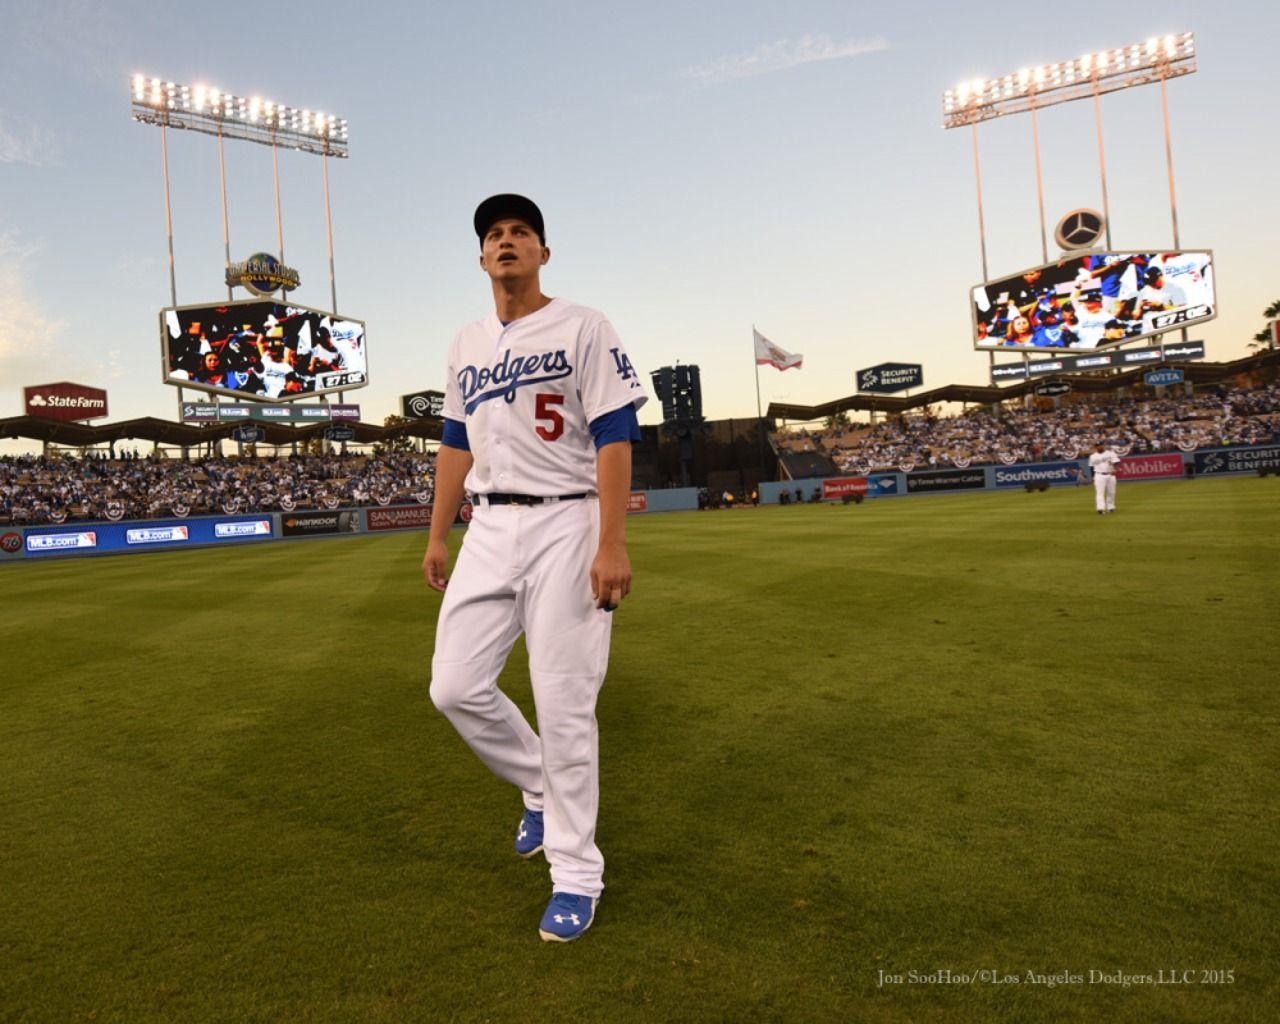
(835, 488)
(152, 535)
(407, 517)
(1149, 467)
(1037, 473)
(65, 402)
(1237, 460)
(946, 480)
(311, 524)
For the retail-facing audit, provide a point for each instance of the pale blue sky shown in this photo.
(702, 167)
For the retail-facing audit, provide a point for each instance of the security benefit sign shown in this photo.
(1238, 460)
(887, 378)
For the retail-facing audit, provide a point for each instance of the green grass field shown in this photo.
(989, 732)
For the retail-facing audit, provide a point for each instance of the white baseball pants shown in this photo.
(527, 569)
(1104, 491)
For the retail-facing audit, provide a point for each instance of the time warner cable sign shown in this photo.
(886, 378)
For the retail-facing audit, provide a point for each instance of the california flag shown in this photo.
(768, 352)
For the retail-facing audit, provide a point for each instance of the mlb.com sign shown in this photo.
(64, 401)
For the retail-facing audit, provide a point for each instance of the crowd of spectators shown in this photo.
(36, 489)
(1219, 417)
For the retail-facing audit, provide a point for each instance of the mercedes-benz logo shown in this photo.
(1080, 229)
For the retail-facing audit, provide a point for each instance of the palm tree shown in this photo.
(1263, 340)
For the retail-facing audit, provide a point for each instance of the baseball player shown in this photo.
(1102, 464)
(539, 415)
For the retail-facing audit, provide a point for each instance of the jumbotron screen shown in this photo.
(262, 349)
(1093, 301)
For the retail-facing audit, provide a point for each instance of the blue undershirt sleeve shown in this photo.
(455, 435)
(619, 425)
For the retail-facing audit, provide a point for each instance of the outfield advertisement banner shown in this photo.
(1149, 467)
(137, 536)
(311, 524)
(880, 485)
(638, 502)
(946, 480)
(1238, 460)
(1037, 473)
(835, 488)
(407, 517)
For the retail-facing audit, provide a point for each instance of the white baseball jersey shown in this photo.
(527, 393)
(1103, 463)
(1188, 274)
(1090, 326)
(273, 376)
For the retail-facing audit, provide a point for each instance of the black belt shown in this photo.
(527, 499)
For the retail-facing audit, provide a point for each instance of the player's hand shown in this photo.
(610, 576)
(434, 565)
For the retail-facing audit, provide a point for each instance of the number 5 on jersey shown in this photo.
(548, 412)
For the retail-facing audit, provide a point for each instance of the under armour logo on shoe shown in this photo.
(559, 919)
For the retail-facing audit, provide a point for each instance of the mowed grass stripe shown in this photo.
(966, 731)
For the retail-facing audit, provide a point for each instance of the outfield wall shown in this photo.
(1162, 466)
(81, 539)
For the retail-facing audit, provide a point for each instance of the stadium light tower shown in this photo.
(1156, 60)
(211, 111)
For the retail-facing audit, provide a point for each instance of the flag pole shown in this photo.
(759, 413)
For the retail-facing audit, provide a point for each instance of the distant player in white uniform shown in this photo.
(539, 415)
(1102, 464)
(1091, 318)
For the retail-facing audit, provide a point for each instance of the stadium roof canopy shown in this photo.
(1197, 373)
(84, 435)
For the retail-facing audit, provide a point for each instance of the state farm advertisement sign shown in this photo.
(64, 401)
(1149, 467)
(839, 487)
(638, 502)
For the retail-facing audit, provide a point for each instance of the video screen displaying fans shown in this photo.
(263, 350)
(1095, 301)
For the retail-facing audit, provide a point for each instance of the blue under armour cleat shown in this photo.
(568, 915)
(529, 835)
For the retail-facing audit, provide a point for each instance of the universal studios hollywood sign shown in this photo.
(262, 274)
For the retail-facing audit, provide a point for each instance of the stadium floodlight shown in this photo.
(1154, 60)
(205, 109)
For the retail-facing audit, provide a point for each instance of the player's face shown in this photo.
(511, 250)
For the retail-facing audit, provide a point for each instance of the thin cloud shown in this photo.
(27, 334)
(781, 56)
(24, 143)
